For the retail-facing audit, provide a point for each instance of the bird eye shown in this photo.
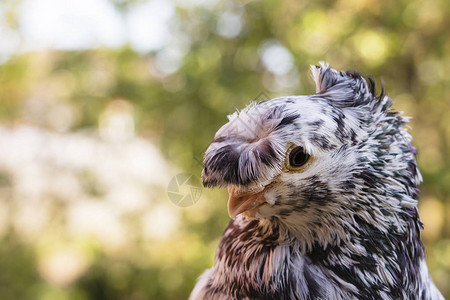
(298, 157)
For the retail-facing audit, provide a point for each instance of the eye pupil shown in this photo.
(298, 157)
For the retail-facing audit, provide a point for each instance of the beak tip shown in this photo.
(232, 214)
(231, 211)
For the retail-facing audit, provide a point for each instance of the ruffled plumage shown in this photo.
(344, 226)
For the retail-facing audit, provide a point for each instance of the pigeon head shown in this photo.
(323, 193)
(317, 162)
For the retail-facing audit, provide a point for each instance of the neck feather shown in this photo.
(267, 256)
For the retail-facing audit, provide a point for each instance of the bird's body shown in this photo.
(323, 195)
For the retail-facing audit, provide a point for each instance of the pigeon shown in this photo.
(323, 192)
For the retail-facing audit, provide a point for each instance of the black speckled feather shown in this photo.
(344, 224)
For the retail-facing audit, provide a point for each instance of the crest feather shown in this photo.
(345, 89)
(318, 73)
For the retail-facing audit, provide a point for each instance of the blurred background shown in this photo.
(103, 102)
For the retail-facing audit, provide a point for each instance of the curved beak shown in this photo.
(239, 202)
